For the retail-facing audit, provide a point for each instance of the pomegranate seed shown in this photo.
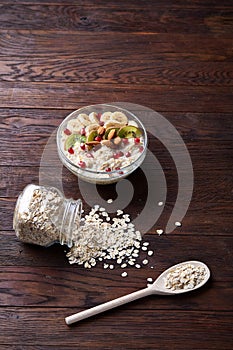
(119, 172)
(67, 132)
(108, 170)
(82, 146)
(125, 141)
(70, 150)
(137, 140)
(127, 154)
(120, 154)
(82, 164)
(115, 156)
(98, 138)
(83, 132)
(141, 148)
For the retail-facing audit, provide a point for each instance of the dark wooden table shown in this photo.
(174, 57)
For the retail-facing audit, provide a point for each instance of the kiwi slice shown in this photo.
(129, 131)
(72, 139)
(92, 136)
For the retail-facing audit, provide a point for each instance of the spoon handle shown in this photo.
(107, 306)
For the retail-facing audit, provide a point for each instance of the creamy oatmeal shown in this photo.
(102, 142)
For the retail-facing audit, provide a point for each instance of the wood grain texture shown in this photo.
(193, 127)
(172, 56)
(144, 19)
(128, 46)
(53, 287)
(117, 72)
(215, 331)
(17, 177)
(131, 4)
(160, 98)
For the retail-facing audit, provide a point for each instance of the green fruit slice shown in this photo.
(92, 136)
(129, 131)
(72, 139)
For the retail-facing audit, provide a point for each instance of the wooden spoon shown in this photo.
(158, 287)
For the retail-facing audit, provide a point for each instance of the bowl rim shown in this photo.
(94, 172)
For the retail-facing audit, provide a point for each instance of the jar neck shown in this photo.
(70, 221)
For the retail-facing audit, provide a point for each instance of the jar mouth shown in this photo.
(70, 221)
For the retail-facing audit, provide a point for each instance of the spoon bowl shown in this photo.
(158, 287)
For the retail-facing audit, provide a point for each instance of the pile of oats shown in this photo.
(185, 276)
(96, 237)
(112, 241)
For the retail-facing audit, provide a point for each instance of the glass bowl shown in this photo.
(106, 176)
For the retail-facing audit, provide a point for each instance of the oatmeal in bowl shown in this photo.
(101, 143)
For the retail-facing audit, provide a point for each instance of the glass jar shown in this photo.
(43, 216)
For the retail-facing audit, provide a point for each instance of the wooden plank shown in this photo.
(115, 327)
(131, 4)
(195, 127)
(26, 44)
(115, 71)
(158, 97)
(100, 19)
(15, 178)
(53, 287)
